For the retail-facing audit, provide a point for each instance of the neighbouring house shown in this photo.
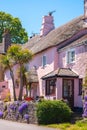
(4, 84)
(59, 63)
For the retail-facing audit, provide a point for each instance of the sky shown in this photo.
(30, 12)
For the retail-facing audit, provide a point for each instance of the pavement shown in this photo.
(9, 125)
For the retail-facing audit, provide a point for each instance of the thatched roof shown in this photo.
(78, 42)
(32, 76)
(56, 36)
(61, 72)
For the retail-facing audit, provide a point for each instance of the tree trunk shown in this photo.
(12, 76)
(30, 89)
(21, 85)
(26, 90)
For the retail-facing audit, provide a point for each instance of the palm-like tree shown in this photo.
(20, 56)
(7, 63)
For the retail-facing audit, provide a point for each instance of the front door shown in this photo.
(68, 91)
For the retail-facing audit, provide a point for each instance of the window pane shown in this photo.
(44, 61)
(68, 57)
(50, 87)
(72, 56)
(80, 86)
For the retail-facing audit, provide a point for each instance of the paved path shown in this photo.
(9, 125)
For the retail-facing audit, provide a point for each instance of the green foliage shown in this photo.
(6, 61)
(20, 56)
(18, 33)
(50, 112)
(8, 98)
(85, 81)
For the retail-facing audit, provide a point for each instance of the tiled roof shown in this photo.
(58, 35)
(61, 72)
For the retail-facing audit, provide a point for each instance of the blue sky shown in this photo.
(30, 12)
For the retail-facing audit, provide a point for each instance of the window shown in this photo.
(3, 86)
(43, 60)
(50, 87)
(80, 86)
(71, 56)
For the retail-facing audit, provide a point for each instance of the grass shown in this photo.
(77, 123)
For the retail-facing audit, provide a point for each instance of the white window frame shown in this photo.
(69, 55)
(44, 60)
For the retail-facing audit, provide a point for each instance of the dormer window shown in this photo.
(71, 56)
(44, 60)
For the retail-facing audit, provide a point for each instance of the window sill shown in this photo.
(70, 63)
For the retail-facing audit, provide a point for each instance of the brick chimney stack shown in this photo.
(47, 24)
(6, 39)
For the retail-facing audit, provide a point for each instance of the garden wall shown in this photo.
(19, 111)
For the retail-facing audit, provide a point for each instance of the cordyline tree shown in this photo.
(18, 33)
(7, 63)
(20, 56)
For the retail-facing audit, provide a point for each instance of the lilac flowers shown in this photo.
(22, 107)
(26, 116)
(1, 114)
(85, 108)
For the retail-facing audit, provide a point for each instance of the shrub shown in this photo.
(22, 107)
(49, 112)
(84, 115)
(1, 114)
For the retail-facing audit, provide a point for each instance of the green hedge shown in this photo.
(49, 112)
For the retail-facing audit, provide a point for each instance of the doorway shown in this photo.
(68, 91)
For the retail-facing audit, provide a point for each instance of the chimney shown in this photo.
(85, 9)
(47, 24)
(6, 39)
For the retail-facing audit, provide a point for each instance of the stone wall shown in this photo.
(19, 111)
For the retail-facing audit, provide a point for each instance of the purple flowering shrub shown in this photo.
(18, 111)
(26, 117)
(84, 115)
(1, 114)
(12, 107)
(23, 107)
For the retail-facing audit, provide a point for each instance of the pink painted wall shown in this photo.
(52, 64)
(77, 98)
(59, 88)
(9, 80)
(79, 66)
(4, 90)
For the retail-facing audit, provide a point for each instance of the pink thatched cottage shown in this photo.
(60, 60)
